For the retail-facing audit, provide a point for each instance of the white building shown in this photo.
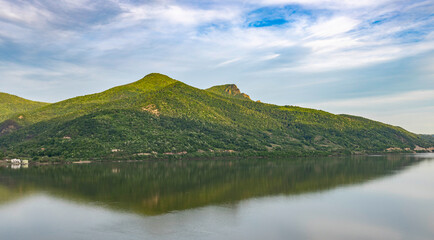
(16, 161)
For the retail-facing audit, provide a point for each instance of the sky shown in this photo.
(372, 58)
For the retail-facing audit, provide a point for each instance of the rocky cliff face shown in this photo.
(229, 89)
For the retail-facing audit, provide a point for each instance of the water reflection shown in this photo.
(332, 198)
(153, 188)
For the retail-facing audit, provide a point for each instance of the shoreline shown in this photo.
(5, 163)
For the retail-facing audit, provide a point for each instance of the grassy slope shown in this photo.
(113, 98)
(10, 105)
(160, 114)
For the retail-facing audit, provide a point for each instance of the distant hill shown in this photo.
(428, 137)
(160, 116)
(11, 104)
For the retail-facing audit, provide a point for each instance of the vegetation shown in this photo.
(160, 117)
(429, 138)
(10, 104)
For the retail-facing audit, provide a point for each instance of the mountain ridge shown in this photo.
(158, 115)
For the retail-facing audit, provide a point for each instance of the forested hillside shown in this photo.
(159, 116)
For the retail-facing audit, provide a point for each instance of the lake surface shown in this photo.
(362, 197)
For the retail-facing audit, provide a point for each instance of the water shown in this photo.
(364, 197)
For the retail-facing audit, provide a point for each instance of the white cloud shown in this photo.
(328, 3)
(228, 62)
(367, 55)
(333, 26)
(250, 39)
(270, 56)
(333, 44)
(78, 4)
(176, 14)
(24, 13)
(334, 41)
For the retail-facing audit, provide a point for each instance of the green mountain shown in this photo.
(429, 138)
(11, 104)
(159, 116)
(229, 90)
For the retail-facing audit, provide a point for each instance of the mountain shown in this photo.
(11, 104)
(160, 116)
(229, 90)
(428, 137)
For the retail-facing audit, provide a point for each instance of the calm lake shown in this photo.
(355, 197)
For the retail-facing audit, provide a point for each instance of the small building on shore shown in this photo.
(16, 161)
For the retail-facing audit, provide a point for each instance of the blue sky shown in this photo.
(373, 58)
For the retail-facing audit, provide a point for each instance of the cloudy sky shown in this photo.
(373, 58)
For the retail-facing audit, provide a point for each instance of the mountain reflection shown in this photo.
(157, 187)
